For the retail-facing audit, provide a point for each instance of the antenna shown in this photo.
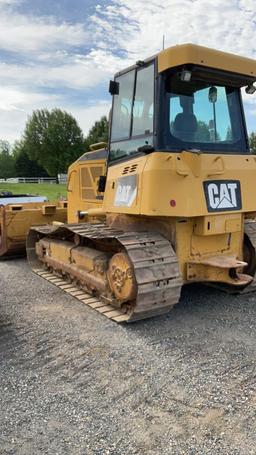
(163, 41)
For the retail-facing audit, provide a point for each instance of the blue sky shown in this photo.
(62, 53)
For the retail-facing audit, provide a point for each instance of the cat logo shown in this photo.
(126, 191)
(223, 195)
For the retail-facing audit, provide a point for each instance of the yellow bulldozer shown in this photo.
(18, 213)
(177, 201)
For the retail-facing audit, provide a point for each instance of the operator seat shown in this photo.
(185, 126)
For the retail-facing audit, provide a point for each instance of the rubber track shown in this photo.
(155, 265)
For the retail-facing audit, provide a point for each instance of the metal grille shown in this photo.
(89, 181)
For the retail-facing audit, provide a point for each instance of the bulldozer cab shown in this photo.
(163, 105)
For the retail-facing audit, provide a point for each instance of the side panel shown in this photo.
(123, 192)
(83, 192)
(176, 185)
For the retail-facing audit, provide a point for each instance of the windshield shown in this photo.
(204, 116)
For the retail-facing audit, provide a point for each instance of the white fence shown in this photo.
(62, 179)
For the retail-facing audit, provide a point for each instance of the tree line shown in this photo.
(51, 141)
(252, 139)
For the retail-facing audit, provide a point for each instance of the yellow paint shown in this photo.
(163, 177)
(169, 187)
(15, 224)
(203, 56)
(83, 177)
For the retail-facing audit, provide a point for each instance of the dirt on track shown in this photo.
(74, 382)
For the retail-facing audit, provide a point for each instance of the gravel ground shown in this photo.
(73, 382)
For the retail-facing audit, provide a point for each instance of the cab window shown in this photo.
(133, 112)
(143, 108)
(203, 115)
(122, 109)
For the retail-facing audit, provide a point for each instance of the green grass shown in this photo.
(51, 191)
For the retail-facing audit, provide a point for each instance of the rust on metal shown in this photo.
(16, 220)
(126, 276)
(122, 278)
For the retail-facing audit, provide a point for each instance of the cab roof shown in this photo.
(200, 56)
(185, 54)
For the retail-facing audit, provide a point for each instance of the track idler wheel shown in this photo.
(121, 278)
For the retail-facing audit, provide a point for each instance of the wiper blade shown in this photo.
(192, 150)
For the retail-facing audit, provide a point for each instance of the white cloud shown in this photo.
(9, 2)
(45, 50)
(70, 74)
(117, 35)
(12, 99)
(138, 27)
(86, 116)
(12, 123)
(30, 34)
(16, 105)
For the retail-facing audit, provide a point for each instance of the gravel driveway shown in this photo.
(73, 382)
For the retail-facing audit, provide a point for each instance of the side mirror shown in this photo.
(213, 94)
(102, 184)
(113, 88)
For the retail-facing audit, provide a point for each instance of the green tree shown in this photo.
(202, 134)
(5, 147)
(98, 132)
(252, 142)
(25, 167)
(229, 135)
(7, 161)
(53, 139)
